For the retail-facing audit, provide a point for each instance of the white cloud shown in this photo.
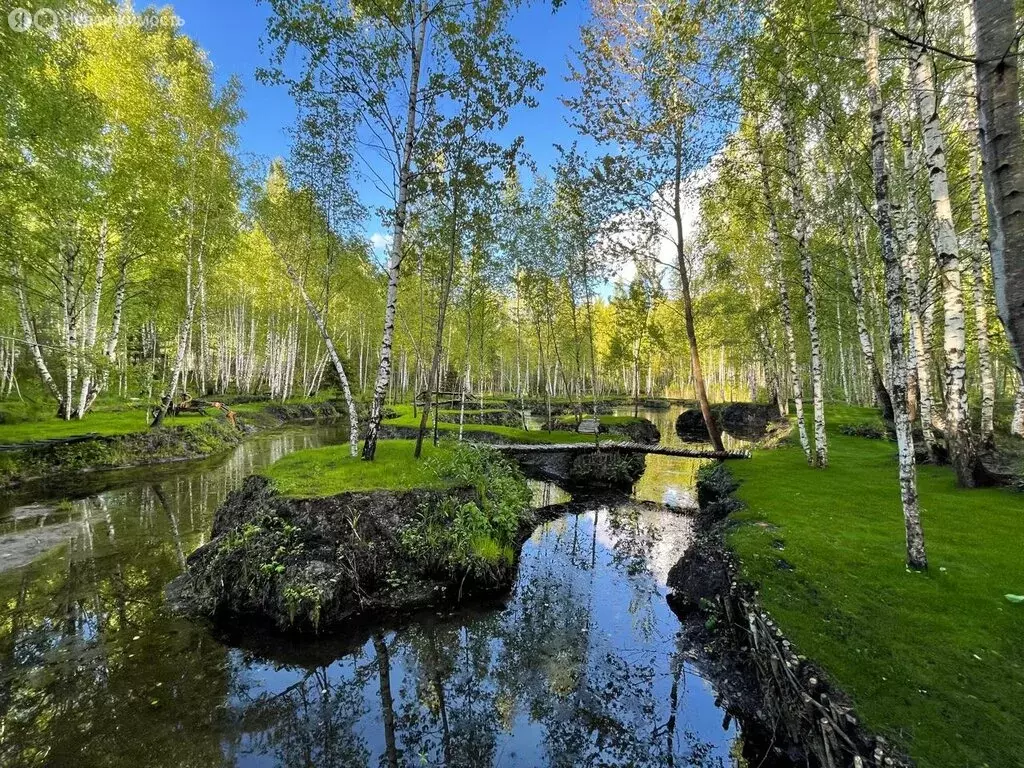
(380, 241)
(690, 207)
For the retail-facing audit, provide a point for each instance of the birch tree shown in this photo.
(386, 68)
(959, 438)
(1002, 147)
(780, 278)
(632, 71)
(916, 557)
(912, 277)
(979, 250)
(800, 235)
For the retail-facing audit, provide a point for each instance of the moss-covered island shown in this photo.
(323, 537)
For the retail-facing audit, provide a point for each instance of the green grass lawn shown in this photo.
(100, 422)
(605, 419)
(406, 419)
(934, 660)
(318, 472)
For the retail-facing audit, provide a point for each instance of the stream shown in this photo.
(583, 664)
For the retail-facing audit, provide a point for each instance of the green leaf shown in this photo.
(1015, 598)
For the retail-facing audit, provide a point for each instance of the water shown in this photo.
(670, 480)
(583, 664)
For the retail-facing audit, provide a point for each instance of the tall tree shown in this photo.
(801, 235)
(916, 557)
(1002, 147)
(959, 438)
(644, 58)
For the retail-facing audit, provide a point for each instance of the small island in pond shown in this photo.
(323, 537)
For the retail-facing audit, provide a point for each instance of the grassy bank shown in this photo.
(121, 437)
(933, 660)
(104, 423)
(195, 440)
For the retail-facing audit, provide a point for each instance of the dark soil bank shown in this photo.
(508, 418)
(746, 421)
(639, 430)
(316, 563)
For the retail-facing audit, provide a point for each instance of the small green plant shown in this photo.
(304, 597)
(872, 430)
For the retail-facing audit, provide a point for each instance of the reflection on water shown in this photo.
(671, 480)
(582, 666)
(545, 493)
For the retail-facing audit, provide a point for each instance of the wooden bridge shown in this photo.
(623, 446)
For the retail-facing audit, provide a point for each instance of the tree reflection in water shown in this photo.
(582, 665)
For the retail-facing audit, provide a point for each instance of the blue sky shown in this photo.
(231, 30)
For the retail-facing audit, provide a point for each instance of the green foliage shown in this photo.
(470, 536)
(870, 430)
(715, 484)
(498, 481)
(909, 648)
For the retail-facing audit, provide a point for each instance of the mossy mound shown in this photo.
(637, 429)
(314, 563)
(745, 421)
(492, 418)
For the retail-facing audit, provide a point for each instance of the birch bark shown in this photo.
(787, 315)
(346, 390)
(959, 439)
(397, 254)
(867, 345)
(979, 248)
(912, 278)
(916, 557)
(801, 234)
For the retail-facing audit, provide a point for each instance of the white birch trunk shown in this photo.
(916, 557)
(787, 315)
(912, 278)
(959, 439)
(1017, 423)
(353, 416)
(800, 232)
(979, 250)
(867, 345)
(29, 333)
(85, 398)
(380, 388)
